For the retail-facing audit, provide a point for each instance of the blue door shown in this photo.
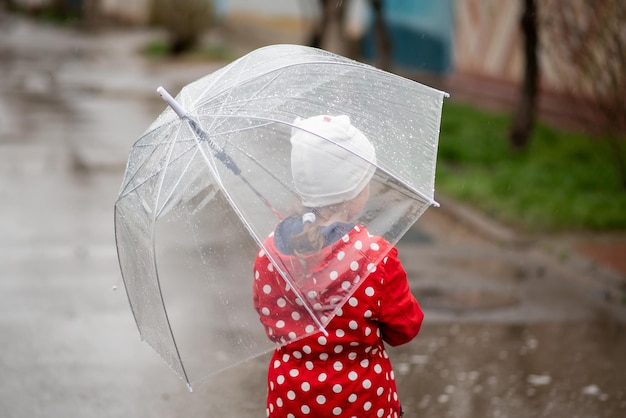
(421, 33)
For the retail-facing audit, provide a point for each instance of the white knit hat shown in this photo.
(331, 160)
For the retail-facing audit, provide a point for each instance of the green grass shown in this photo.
(562, 181)
(160, 49)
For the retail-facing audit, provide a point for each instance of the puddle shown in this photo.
(463, 300)
(515, 370)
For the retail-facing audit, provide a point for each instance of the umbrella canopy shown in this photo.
(211, 178)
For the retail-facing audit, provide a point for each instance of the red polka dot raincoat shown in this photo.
(346, 373)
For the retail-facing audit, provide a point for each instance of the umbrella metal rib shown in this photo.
(218, 151)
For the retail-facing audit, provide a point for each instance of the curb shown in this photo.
(558, 254)
(481, 224)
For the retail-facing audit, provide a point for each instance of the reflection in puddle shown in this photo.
(519, 370)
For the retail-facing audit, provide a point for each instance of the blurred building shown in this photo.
(477, 38)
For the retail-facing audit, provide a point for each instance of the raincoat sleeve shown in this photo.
(258, 281)
(400, 315)
(263, 301)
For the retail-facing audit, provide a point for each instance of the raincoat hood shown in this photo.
(294, 226)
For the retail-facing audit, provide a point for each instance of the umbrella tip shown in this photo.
(189, 387)
(176, 107)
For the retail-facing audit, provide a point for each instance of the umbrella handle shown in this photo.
(176, 107)
(217, 150)
(182, 113)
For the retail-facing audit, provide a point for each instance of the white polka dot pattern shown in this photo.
(348, 372)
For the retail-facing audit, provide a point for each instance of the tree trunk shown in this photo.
(383, 41)
(91, 13)
(334, 38)
(524, 114)
(316, 37)
(328, 33)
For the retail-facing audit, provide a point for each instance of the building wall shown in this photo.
(473, 37)
(487, 38)
(488, 42)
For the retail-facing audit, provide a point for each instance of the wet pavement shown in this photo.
(514, 327)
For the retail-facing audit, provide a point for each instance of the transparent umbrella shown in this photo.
(211, 178)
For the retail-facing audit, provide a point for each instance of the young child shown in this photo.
(347, 372)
